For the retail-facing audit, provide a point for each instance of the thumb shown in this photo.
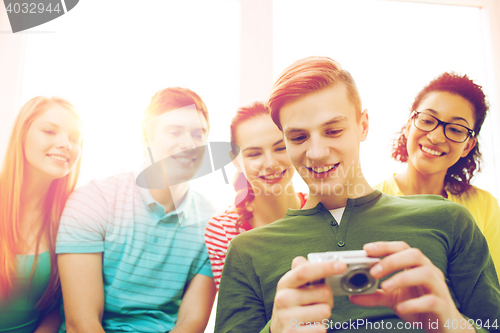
(298, 261)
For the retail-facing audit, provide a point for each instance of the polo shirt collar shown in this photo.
(350, 202)
(188, 212)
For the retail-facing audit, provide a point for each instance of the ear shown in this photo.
(407, 129)
(471, 143)
(363, 122)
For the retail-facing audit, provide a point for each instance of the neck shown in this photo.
(171, 197)
(33, 191)
(412, 182)
(337, 197)
(269, 207)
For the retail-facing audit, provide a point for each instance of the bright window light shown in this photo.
(109, 59)
(392, 49)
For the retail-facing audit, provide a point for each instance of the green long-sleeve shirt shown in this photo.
(444, 231)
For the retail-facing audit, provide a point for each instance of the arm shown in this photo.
(491, 229)
(83, 291)
(216, 241)
(50, 323)
(196, 305)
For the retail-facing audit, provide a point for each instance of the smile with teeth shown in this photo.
(323, 169)
(58, 158)
(184, 160)
(274, 176)
(430, 151)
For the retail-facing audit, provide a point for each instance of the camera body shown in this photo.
(356, 279)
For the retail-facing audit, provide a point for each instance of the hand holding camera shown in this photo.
(416, 293)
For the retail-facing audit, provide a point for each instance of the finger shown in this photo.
(314, 294)
(423, 304)
(296, 318)
(310, 272)
(379, 298)
(429, 277)
(297, 261)
(381, 249)
(398, 261)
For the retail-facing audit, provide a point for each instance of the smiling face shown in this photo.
(178, 139)
(431, 152)
(322, 137)
(263, 157)
(53, 143)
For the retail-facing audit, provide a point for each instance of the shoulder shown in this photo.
(428, 209)
(475, 195)
(388, 186)
(224, 221)
(423, 202)
(108, 186)
(99, 194)
(290, 226)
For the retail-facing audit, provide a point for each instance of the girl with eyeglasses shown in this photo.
(439, 144)
(40, 170)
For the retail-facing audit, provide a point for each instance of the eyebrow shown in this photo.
(454, 118)
(57, 126)
(278, 142)
(50, 123)
(259, 148)
(173, 126)
(334, 120)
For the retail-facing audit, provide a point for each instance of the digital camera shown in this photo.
(356, 279)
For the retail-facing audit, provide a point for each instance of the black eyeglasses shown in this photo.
(452, 131)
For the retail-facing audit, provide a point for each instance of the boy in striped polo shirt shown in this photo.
(133, 259)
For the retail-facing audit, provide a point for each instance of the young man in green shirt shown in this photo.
(436, 269)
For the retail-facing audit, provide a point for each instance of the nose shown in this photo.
(316, 151)
(270, 161)
(187, 142)
(64, 143)
(437, 135)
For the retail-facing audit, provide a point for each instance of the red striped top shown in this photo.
(221, 229)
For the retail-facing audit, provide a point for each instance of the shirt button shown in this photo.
(155, 240)
(341, 243)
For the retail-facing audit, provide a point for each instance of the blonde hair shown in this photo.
(11, 183)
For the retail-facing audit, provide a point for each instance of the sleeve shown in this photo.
(491, 228)
(239, 309)
(83, 222)
(472, 275)
(205, 268)
(216, 241)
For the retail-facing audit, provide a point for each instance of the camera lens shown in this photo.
(357, 280)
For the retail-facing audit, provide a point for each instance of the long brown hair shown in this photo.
(11, 183)
(459, 175)
(244, 192)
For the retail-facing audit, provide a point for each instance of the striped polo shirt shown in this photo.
(148, 256)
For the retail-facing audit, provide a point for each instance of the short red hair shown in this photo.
(306, 76)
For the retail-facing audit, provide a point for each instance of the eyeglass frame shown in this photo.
(414, 115)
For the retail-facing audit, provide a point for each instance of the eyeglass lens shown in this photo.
(453, 132)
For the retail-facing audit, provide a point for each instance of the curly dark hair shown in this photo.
(458, 176)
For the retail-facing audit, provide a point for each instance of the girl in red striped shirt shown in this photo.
(264, 188)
